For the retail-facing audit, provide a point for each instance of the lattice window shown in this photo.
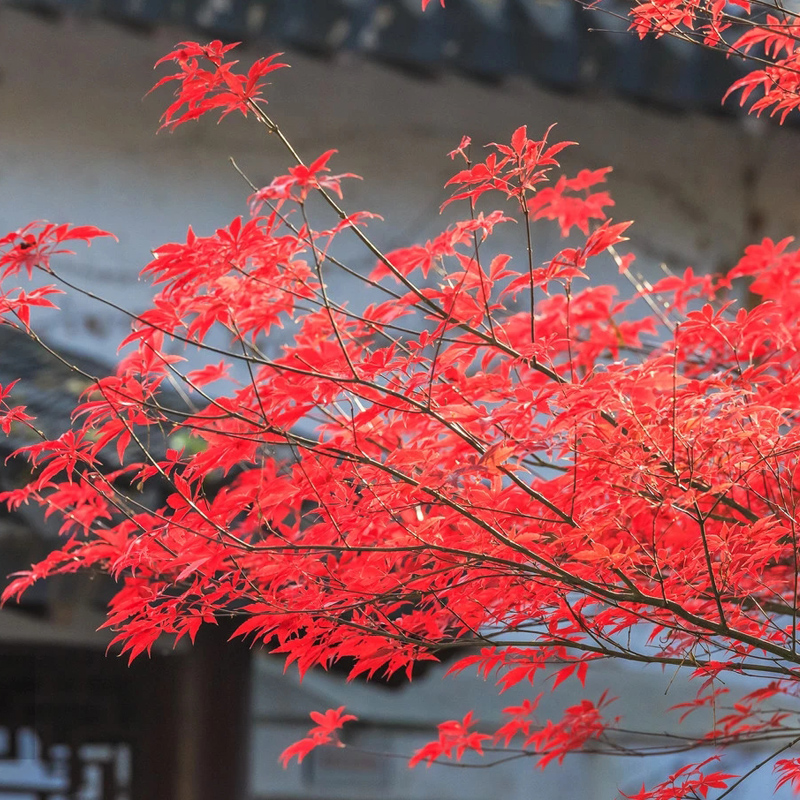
(87, 771)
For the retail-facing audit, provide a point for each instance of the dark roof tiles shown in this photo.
(547, 40)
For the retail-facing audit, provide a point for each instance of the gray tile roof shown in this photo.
(47, 386)
(546, 40)
(50, 386)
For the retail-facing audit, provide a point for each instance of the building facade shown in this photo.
(394, 92)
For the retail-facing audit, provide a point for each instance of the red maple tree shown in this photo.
(490, 456)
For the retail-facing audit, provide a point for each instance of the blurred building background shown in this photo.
(393, 91)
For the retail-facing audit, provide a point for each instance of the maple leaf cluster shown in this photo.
(501, 459)
(322, 733)
(764, 35)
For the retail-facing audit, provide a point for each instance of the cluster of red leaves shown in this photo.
(324, 732)
(572, 211)
(688, 783)
(218, 88)
(789, 770)
(710, 18)
(32, 247)
(768, 42)
(454, 740)
(377, 490)
(515, 170)
(299, 182)
(778, 81)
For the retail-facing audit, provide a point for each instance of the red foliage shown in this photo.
(202, 90)
(769, 42)
(688, 783)
(324, 732)
(454, 740)
(571, 470)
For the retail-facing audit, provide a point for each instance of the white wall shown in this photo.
(394, 723)
(78, 144)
